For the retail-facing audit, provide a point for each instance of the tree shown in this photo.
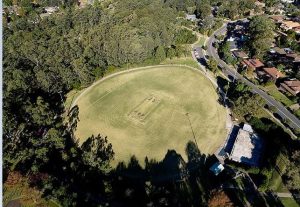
(261, 31)
(271, 3)
(225, 53)
(212, 65)
(203, 9)
(218, 199)
(160, 53)
(292, 171)
(171, 53)
(40, 113)
(97, 152)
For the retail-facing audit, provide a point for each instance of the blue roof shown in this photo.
(217, 168)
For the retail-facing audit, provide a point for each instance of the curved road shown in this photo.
(282, 111)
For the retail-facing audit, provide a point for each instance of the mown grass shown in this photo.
(273, 91)
(179, 91)
(201, 41)
(289, 202)
(276, 182)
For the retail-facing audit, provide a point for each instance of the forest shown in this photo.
(45, 58)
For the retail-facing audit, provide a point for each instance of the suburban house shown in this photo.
(291, 86)
(293, 57)
(270, 74)
(279, 51)
(289, 25)
(247, 147)
(252, 64)
(240, 54)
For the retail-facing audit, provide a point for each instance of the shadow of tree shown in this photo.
(169, 182)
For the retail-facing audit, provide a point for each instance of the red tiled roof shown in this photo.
(253, 63)
(292, 86)
(273, 72)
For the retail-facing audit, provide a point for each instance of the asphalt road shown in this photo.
(281, 110)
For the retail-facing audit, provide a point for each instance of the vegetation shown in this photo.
(273, 91)
(293, 172)
(46, 58)
(212, 65)
(235, 9)
(219, 198)
(225, 53)
(261, 35)
(289, 202)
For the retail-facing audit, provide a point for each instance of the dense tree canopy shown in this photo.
(261, 31)
(44, 58)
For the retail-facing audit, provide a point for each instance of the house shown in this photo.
(240, 54)
(216, 168)
(247, 147)
(293, 57)
(270, 73)
(191, 17)
(252, 64)
(279, 51)
(289, 25)
(290, 86)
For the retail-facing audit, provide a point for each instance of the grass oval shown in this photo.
(144, 113)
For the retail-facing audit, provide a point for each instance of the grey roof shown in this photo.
(247, 148)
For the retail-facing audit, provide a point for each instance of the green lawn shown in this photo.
(201, 41)
(297, 113)
(273, 91)
(289, 202)
(143, 113)
(276, 182)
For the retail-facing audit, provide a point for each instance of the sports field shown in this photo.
(144, 113)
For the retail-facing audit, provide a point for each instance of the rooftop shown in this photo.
(247, 148)
(253, 63)
(273, 72)
(279, 50)
(217, 168)
(292, 86)
(290, 24)
(240, 54)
